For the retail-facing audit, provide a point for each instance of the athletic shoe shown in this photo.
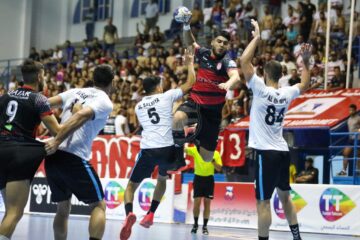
(148, 220)
(194, 229)
(342, 173)
(205, 231)
(126, 229)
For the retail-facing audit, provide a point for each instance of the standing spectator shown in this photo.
(291, 18)
(121, 124)
(320, 25)
(338, 81)
(310, 174)
(151, 14)
(218, 14)
(305, 20)
(197, 19)
(110, 36)
(89, 19)
(34, 55)
(267, 24)
(338, 29)
(353, 123)
(69, 52)
(284, 80)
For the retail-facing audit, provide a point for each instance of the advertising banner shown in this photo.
(316, 108)
(114, 190)
(331, 209)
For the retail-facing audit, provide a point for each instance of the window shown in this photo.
(139, 6)
(105, 9)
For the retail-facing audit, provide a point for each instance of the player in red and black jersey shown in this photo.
(21, 111)
(216, 75)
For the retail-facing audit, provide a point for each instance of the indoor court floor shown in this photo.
(35, 227)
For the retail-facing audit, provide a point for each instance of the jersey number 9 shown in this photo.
(11, 110)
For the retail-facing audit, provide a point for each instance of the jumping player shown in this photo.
(266, 126)
(68, 170)
(154, 112)
(217, 73)
(21, 111)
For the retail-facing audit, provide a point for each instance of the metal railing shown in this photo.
(336, 150)
(7, 68)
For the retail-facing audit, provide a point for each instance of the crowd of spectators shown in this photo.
(281, 40)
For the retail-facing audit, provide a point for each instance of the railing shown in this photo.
(335, 150)
(6, 69)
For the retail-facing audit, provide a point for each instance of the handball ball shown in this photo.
(182, 14)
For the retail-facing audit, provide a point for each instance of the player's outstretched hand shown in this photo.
(305, 52)
(51, 146)
(225, 86)
(189, 57)
(256, 32)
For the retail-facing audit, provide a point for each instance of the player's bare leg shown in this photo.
(290, 212)
(264, 218)
(16, 196)
(180, 120)
(61, 219)
(206, 215)
(3, 193)
(97, 220)
(130, 216)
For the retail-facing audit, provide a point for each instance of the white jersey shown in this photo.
(267, 113)
(155, 116)
(80, 142)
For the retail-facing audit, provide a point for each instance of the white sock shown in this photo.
(4, 238)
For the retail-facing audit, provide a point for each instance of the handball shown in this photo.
(182, 14)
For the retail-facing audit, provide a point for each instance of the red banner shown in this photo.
(316, 108)
(115, 156)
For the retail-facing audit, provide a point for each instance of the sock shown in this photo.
(2, 237)
(263, 238)
(154, 206)
(91, 238)
(196, 219)
(205, 222)
(295, 231)
(128, 208)
(179, 137)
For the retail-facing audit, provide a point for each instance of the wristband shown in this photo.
(186, 27)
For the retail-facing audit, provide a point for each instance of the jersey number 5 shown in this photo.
(11, 110)
(271, 116)
(153, 115)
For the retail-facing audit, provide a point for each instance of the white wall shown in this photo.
(15, 24)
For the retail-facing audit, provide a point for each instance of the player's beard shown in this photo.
(217, 55)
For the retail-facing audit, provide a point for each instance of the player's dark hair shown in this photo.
(274, 70)
(150, 84)
(224, 34)
(30, 70)
(353, 106)
(103, 75)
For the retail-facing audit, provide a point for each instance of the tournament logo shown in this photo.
(335, 204)
(298, 201)
(145, 195)
(39, 190)
(114, 194)
(229, 195)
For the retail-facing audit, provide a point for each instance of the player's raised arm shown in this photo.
(305, 74)
(245, 59)
(191, 78)
(188, 35)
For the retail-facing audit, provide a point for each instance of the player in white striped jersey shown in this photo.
(154, 112)
(266, 127)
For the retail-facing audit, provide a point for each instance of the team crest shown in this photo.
(218, 66)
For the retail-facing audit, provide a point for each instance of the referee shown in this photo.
(203, 185)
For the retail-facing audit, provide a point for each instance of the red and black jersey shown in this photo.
(211, 73)
(21, 111)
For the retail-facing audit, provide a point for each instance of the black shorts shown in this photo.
(68, 174)
(272, 171)
(208, 119)
(19, 160)
(147, 160)
(204, 186)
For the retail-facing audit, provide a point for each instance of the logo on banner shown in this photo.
(145, 195)
(114, 194)
(334, 204)
(40, 191)
(229, 195)
(298, 201)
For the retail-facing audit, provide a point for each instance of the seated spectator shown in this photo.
(218, 14)
(338, 81)
(121, 124)
(34, 55)
(320, 25)
(291, 19)
(317, 79)
(290, 65)
(310, 174)
(284, 80)
(85, 48)
(157, 37)
(294, 79)
(58, 54)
